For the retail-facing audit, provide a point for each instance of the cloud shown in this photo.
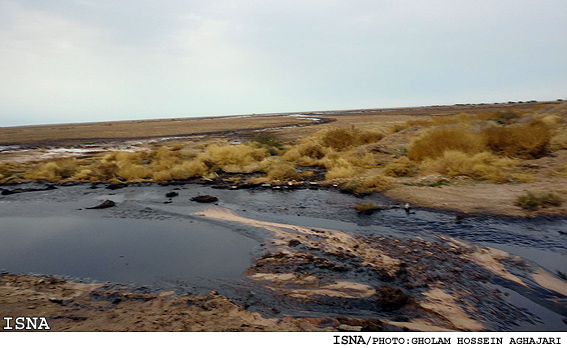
(71, 61)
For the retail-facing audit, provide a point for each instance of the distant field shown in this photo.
(377, 119)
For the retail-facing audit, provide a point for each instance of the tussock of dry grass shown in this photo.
(11, 172)
(53, 170)
(282, 171)
(341, 172)
(435, 121)
(234, 158)
(435, 142)
(402, 166)
(523, 140)
(340, 139)
(558, 140)
(366, 185)
(481, 166)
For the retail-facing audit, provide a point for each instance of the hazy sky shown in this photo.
(93, 60)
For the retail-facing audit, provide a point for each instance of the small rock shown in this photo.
(171, 194)
(293, 243)
(204, 199)
(106, 204)
(116, 186)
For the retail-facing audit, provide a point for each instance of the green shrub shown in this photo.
(532, 202)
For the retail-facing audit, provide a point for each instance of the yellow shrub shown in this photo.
(104, 169)
(559, 140)
(84, 174)
(162, 175)
(45, 171)
(435, 142)
(551, 120)
(402, 166)
(53, 171)
(311, 149)
(282, 170)
(433, 121)
(11, 171)
(340, 139)
(481, 166)
(188, 170)
(361, 158)
(341, 172)
(377, 182)
(235, 156)
(133, 171)
(522, 140)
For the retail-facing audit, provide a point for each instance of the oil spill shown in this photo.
(337, 265)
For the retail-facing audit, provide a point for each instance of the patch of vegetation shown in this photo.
(481, 166)
(399, 167)
(525, 141)
(533, 201)
(437, 141)
(340, 139)
(268, 141)
(365, 185)
(366, 208)
(558, 140)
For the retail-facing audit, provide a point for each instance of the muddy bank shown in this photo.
(312, 263)
(71, 306)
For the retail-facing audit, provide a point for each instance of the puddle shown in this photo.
(121, 250)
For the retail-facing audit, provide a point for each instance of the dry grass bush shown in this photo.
(534, 201)
(133, 172)
(340, 139)
(341, 172)
(552, 121)
(481, 166)
(233, 158)
(282, 171)
(559, 140)
(362, 158)
(500, 117)
(434, 121)
(435, 142)
(377, 182)
(103, 168)
(366, 208)
(53, 171)
(307, 153)
(525, 141)
(366, 185)
(11, 171)
(402, 166)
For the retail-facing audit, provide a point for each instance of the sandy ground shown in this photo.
(485, 198)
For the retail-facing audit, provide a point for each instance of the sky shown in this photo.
(67, 61)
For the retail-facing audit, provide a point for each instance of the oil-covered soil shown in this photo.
(272, 259)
